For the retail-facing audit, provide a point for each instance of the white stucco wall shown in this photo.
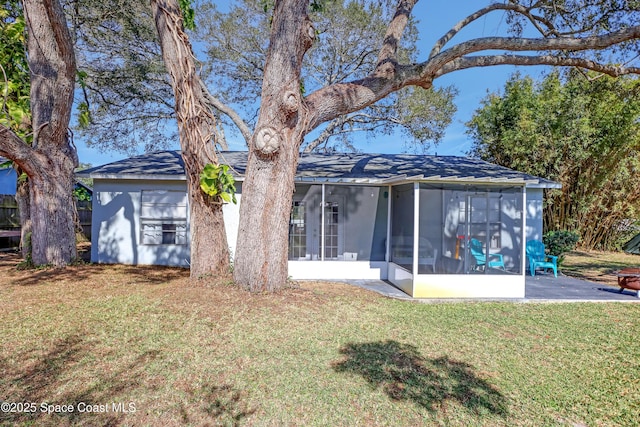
(115, 225)
(534, 214)
(232, 220)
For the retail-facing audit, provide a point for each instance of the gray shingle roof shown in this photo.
(347, 168)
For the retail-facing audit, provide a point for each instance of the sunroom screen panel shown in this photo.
(355, 223)
(402, 226)
(470, 229)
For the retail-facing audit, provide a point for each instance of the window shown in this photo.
(297, 232)
(163, 217)
(332, 230)
(484, 217)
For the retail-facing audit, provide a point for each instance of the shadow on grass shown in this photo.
(42, 382)
(62, 376)
(224, 404)
(135, 275)
(406, 375)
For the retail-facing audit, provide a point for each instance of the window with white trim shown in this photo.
(163, 217)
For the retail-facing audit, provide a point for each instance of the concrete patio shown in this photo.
(541, 288)
(565, 288)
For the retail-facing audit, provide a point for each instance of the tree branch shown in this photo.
(14, 148)
(230, 112)
(487, 61)
(535, 20)
(342, 98)
(325, 134)
(387, 56)
(517, 44)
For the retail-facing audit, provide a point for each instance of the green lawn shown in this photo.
(324, 354)
(598, 266)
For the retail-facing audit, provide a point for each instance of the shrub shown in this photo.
(560, 242)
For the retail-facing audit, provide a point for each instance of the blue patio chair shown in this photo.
(481, 259)
(539, 259)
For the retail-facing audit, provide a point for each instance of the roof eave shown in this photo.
(545, 185)
(360, 181)
(146, 177)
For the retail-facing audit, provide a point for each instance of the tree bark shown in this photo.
(53, 212)
(51, 161)
(262, 249)
(196, 126)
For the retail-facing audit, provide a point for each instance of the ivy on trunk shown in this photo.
(196, 126)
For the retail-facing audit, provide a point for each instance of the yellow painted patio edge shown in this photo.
(468, 286)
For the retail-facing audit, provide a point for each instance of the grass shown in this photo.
(598, 266)
(180, 353)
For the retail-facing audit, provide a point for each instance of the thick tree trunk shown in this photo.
(262, 249)
(51, 161)
(53, 238)
(209, 248)
(196, 125)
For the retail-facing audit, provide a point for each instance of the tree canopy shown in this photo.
(582, 130)
(345, 48)
(14, 71)
(125, 85)
(129, 97)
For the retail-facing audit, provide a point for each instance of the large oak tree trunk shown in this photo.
(51, 161)
(262, 250)
(52, 211)
(196, 125)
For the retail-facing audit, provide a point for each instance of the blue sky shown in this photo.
(436, 18)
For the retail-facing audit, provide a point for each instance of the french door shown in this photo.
(316, 228)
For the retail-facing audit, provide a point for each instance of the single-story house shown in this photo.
(434, 226)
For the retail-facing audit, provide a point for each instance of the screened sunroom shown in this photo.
(435, 227)
(458, 240)
(432, 240)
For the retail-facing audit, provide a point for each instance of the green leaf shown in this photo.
(217, 181)
(82, 77)
(84, 115)
(188, 14)
(81, 194)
